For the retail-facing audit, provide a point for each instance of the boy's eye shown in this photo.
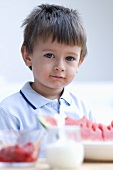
(69, 58)
(49, 55)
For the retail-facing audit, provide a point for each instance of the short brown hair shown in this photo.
(61, 23)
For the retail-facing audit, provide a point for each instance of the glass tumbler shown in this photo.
(64, 148)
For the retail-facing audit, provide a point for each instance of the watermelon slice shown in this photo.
(70, 121)
(107, 132)
(47, 121)
(91, 133)
(89, 130)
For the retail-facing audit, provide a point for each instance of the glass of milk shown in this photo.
(64, 148)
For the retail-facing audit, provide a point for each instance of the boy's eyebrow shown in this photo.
(48, 49)
(70, 53)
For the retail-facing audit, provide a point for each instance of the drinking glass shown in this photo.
(64, 148)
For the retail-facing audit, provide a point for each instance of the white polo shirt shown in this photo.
(19, 111)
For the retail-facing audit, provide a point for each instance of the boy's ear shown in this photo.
(81, 61)
(26, 56)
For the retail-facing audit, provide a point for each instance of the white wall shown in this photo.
(98, 20)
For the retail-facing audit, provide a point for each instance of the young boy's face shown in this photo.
(54, 65)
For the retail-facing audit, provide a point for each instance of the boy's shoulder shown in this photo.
(15, 97)
(12, 99)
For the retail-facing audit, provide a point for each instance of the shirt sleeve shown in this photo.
(7, 120)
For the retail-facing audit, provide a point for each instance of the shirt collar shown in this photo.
(66, 96)
(36, 100)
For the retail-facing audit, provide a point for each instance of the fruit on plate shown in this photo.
(18, 153)
(89, 130)
(47, 121)
(107, 131)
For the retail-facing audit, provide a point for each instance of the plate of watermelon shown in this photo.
(97, 138)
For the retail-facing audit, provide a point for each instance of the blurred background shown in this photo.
(95, 77)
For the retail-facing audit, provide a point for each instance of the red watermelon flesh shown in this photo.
(89, 130)
(70, 121)
(47, 121)
(112, 124)
(109, 127)
(91, 134)
(107, 132)
(81, 122)
(50, 120)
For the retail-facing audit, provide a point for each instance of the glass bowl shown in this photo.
(20, 148)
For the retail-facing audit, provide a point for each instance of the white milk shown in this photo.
(65, 154)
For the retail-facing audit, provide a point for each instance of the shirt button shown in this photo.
(52, 104)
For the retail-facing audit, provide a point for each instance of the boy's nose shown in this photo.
(59, 66)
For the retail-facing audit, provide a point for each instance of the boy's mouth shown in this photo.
(57, 76)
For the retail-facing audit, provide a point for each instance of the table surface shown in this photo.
(42, 165)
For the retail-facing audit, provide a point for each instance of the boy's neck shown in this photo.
(49, 93)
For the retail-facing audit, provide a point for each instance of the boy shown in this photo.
(54, 48)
